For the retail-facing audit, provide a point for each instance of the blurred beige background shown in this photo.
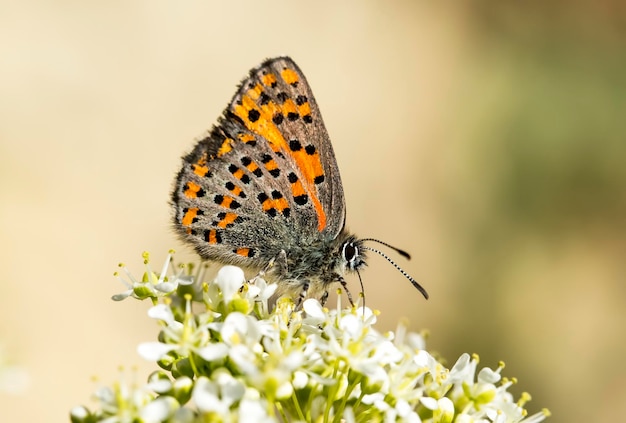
(488, 139)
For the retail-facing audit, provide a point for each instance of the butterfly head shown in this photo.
(325, 260)
(350, 255)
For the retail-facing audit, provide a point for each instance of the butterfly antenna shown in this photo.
(396, 249)
(419, 287)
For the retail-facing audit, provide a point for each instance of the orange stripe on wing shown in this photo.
(190, 216)
(246, 138)
(290, 110)
(213, 237)
(228, 219)
(200, 167)
(304, 109)
(281, 204)
(193, 190)
(244, 252)
(289, 76)
(259, 120)
(200, 170)
(311, 167)
(269, 79)
(225, 147)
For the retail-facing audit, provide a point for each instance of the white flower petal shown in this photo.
(105, 394)
(429, 402)
(352, 325)
(164, 312)
(159, 409)
(185, 280)
(446, 410)
(269, 291)
(160, 386)
(373, 398)
(253, 411)
(253, 291)
(314, 309)
(461, 364)
(230, 279)
(486, 375)
(463, 370)
(284, 390)
(183, 383)
(205, 395)
(239, 328)
(122, 295)
(265, 291)
(300, 379)
(244, 358)
(403, 408)
(213, 352)
(79, 412)
(366, 314)
(424, 359)
(166, 287)
(293, 361)
(231, 389)
(383, 406)
(154, 351)
(161, 312)
(386, 353)
(464, 418)
(416, 341)
(348, 415)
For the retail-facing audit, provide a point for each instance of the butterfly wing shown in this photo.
(265, 176)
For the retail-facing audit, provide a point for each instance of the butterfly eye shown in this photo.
(350, 252)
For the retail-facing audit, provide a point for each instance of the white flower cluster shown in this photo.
(225, 357)
(13, 379)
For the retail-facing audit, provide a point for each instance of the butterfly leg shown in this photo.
(345, 287)
(262, 272)
(324, 298)
(303, 294)
(280, 261)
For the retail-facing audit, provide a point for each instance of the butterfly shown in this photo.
(262, 189)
